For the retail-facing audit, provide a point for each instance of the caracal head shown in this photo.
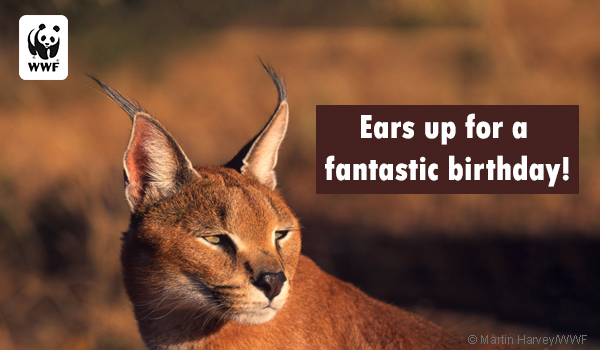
(213, 242)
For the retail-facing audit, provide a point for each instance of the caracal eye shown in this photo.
(281, 234)
(213, 239)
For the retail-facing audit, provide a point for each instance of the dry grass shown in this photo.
(61, 143)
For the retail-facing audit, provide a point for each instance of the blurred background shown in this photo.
(475, 264)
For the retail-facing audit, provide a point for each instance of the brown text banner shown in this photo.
(447, 149)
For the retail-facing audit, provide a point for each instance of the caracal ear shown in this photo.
(259, 157)
(154, 164)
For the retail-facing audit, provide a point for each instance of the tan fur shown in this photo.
(189, 293)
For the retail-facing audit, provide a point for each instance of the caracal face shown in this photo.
(218, 235)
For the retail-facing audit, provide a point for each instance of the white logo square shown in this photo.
(43, 47)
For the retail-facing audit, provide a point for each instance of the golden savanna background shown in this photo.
(510, 265)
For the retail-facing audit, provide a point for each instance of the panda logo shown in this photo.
(44, 42)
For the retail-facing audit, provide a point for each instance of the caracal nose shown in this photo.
(270, 283)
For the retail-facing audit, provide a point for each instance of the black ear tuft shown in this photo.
(279, 83)
(56, 28)
(130, 106)
(42, 26)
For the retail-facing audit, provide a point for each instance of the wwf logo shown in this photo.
(44, 41)
(43, 47)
